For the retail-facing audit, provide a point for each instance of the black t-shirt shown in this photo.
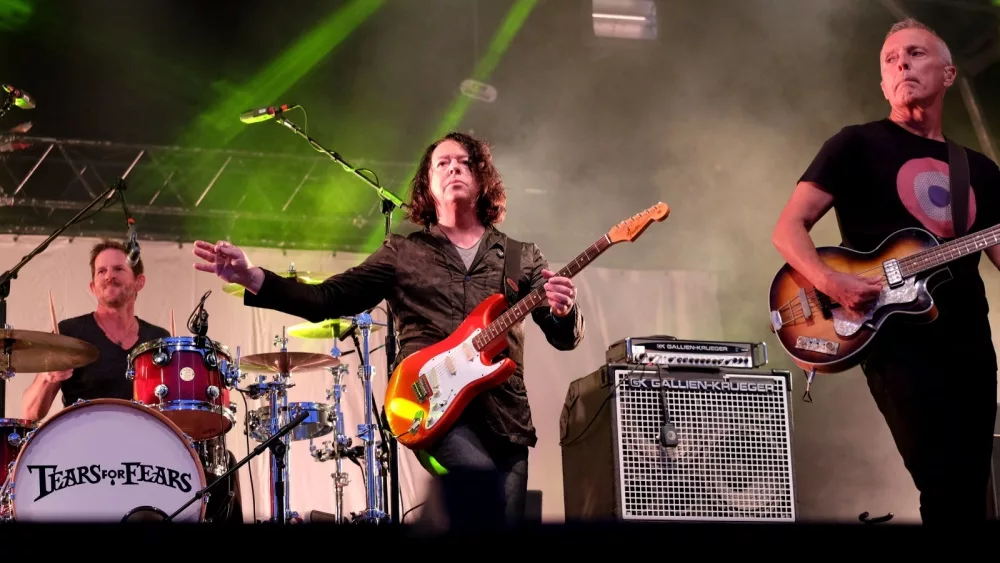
(105, 377)
(885, 178)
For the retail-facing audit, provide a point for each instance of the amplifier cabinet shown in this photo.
(649, 443)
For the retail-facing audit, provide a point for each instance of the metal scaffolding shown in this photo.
(46, 182)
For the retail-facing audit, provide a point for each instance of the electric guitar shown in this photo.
(429, 389)
(823, 337)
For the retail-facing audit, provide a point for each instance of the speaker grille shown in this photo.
(733, 459)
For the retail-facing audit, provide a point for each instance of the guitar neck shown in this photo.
(949, 251)
(522, 308)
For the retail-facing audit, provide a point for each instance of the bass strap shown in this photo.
(958, 169)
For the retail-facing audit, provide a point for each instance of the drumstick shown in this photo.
(173, 331)
(52, 310)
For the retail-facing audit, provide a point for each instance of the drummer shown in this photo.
(115, 330)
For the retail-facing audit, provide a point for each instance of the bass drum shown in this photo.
(98, 461)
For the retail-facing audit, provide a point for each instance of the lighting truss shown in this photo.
(182, 193)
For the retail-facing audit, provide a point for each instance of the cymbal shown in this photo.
(330, 328)
(34, 351)
(297, 361)
(309, 278)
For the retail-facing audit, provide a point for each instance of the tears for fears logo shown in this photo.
(52, 479)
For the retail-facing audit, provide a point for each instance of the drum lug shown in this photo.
(130, 373)
(212, 392)
(161, 358)
(161, 391)
(14, 439)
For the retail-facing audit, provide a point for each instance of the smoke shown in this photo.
(718, 117)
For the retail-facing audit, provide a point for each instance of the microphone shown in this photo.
(668, 432)
(132, 246)
(21, 98)
(265, 113)
(132, 250)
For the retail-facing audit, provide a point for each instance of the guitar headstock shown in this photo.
(631, 228)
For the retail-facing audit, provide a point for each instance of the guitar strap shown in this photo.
(958, 167)
(512, 270)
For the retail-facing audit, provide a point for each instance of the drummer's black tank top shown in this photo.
(105, 377)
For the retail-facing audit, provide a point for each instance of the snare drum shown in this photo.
(97, 461)
(319, 423)
(180, 377)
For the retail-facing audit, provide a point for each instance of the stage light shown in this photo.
(624, 19)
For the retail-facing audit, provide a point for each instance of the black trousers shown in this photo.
(941, 415)
(487, 480)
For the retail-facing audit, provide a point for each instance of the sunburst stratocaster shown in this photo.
(429, 389)
(824, 337)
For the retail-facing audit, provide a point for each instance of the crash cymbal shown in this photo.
(330, 328)
(297, 361)
(310, 278)
(34, 351)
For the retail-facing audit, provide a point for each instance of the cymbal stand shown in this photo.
(340, 447)
(373, 465)
(277, 395)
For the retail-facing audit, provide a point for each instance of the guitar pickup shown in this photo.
(422, 388)
(893, 275)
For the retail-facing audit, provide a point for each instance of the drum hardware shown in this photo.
(308, 278)
(17, 432)
(339, 447)
(276, 395)
(374, 511)
(276, 443)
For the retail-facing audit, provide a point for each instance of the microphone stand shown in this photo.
(389, 203)
(6, 372)
(277, 448)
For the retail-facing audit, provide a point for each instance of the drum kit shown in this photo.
(118, 460)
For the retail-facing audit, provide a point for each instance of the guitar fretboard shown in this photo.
(513, 315)
(952, 250)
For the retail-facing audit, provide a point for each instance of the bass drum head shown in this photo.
(99, 460)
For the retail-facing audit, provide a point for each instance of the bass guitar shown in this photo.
(429, 389)
(823, 337)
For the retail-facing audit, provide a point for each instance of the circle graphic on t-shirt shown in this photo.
(924, 187)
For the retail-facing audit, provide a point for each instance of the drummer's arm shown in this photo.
(38, 397)
(355, 290)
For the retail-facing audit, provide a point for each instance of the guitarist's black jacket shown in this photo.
(423, 279)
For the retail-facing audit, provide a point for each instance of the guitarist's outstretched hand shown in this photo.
(229, 262)
(852, 291)
(561, 293)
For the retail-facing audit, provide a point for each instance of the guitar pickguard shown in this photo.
(446, 374)
(848, 323)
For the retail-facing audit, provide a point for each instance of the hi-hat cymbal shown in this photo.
(330, 328)
(310, 278)
(33, 351)
(297, 361)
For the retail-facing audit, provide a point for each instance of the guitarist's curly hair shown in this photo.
(491, 206)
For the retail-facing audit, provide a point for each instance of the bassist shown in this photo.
(934, 383)
(433, 279)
